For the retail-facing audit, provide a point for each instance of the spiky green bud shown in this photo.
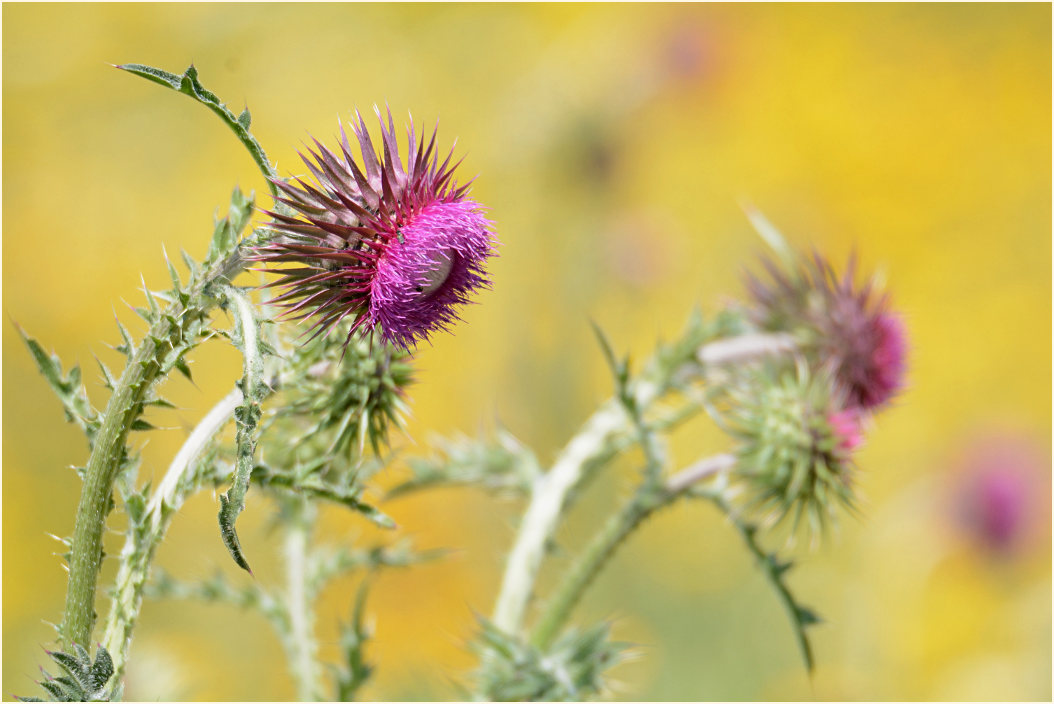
(795, 443)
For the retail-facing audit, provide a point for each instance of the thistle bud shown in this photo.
(350, 392)
(796, 443)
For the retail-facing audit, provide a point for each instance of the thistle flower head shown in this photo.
(858, 338)
(796, 442)
(394, 247)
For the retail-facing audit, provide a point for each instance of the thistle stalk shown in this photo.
(592, 444)
(299, 640)
(618, 528)
(181, 480)
(104, 463)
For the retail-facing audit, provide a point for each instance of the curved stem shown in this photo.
(142, 540)
(592, 444)
(618, 528)
(108, 451)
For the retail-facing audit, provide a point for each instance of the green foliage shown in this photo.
(227, 230)
(246, 337)
(68, 387)
(649, 440)
(775, 570)
(353, 671)
(346, 394)
(83, 681)
(572, 669)
(309, 479)
(502, 465)
(188, 84)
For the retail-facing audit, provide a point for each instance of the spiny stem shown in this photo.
(618, 528)
(108, 452)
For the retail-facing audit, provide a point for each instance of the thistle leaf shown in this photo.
(189, 84)
(84, 680)
(227, 230)
(246, 337)
(354, 671)
(775, 571)
(68, 388)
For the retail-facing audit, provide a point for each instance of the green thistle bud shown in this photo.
(348, 395)
(795, 445)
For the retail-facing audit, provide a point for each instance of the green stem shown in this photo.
(183, 478)
(107, 454)
(603, 546)
(301, 647)
(603, 435)
(618, 528)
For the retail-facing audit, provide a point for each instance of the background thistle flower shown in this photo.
(396, 247)
(796, 443)
(858, 338)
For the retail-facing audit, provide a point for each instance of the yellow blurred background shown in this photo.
(614, 145)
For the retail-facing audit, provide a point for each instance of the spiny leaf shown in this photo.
(184, 369)
(354, 670)
(84, 681)
(128, 346)
(68, 388)
(227, 229)
(189, 84)
(172, 273)
(247, 418)
(620, 368)
(775, 570)
(140, 424)
(192, 266)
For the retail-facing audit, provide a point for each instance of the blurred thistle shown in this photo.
(1000, 485)
(796, 441)
(396, 247)
(574, 668)
(859, 340)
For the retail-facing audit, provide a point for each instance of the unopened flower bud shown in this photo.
(796, 444)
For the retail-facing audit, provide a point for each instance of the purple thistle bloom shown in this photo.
(1000, 485)
(858, 337)
(396, 247)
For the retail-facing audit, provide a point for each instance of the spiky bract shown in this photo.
(350, 393)
(795, 444)
(859, 340)
(394, 247)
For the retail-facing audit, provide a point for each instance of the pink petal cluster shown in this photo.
(847, 428)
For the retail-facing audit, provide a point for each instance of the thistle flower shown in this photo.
(796, 443)
(861, 342)
(396, 247)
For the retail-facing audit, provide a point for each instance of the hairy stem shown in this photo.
(618, 528)
(299, 641)
(121, 411)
